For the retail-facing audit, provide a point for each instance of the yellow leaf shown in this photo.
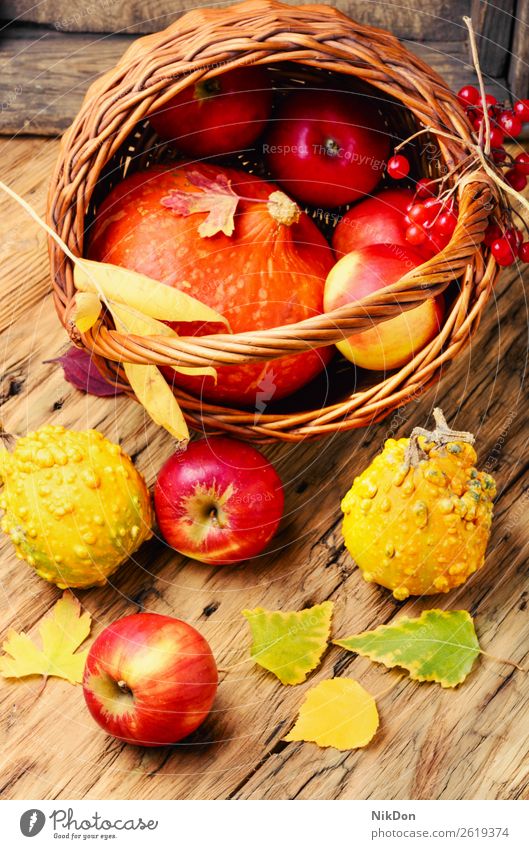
(152, 390)
(87, 310)
(337, 712)
(130, 320)
(141, 293)
(61, 634)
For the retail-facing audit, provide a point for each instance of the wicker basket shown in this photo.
(111, 136)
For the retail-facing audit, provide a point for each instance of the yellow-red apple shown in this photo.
(150, 679)
(392, 343)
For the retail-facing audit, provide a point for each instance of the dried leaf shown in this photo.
(61, 633)
(80, 371)
(152, 390)
(87, 310)
(137, 302)
(290, 644)
(337, 712)
(131, 321)
(439, 646)
(215, 196)
(123, 286)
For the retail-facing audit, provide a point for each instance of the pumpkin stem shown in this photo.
(441, 435)
(283, 209)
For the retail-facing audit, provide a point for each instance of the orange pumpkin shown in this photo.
(271, 271)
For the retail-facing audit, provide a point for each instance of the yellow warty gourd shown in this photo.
(418, 519)
(74, 505)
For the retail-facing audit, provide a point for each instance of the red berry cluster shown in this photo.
(430, 221)
(503, 121)
(506, 244)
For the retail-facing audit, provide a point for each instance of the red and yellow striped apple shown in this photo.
(150, 679)
(392, 343)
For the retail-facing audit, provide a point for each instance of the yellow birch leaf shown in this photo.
(141, 293)
(154, 393)
(129, 320)
(337, 712)
(61, 633)
(87, 310)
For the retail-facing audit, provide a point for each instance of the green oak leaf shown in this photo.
(290, 644)
(439, 646)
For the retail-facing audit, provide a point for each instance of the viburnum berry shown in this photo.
(434, 207)
(521, 109)
(499, 155)
(398, 167)
(523, 251)
(445, 224)
(490, 100)
(516, 179)
(468, 95)
(415, 235)
(503, 251)
(424, 187)
(496, 137)
(514, 237)
(418, 213)
(521, 162)
(492, 233)
(510, 123)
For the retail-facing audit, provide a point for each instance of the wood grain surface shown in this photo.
(433, 743)
(45, 73)
(439, 19)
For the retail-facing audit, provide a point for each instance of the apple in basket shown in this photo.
(389, 344)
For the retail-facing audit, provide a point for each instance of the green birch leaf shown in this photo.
(290, 644)
(439, 646)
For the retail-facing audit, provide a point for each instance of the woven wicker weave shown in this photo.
(110, 132)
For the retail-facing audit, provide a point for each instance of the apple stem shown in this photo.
(124, 687)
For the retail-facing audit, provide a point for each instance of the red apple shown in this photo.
(223, 114)
(375, 220)
(219, 502)
(150, 679)
(327, 148)
(392, 343)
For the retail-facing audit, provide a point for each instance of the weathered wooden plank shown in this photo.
(439, 19)
(45, 75)
(432, 743)
(493, 25)
(519, 65)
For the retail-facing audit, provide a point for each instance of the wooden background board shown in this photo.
(437, 20)
(469, 743)
(51, 51)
